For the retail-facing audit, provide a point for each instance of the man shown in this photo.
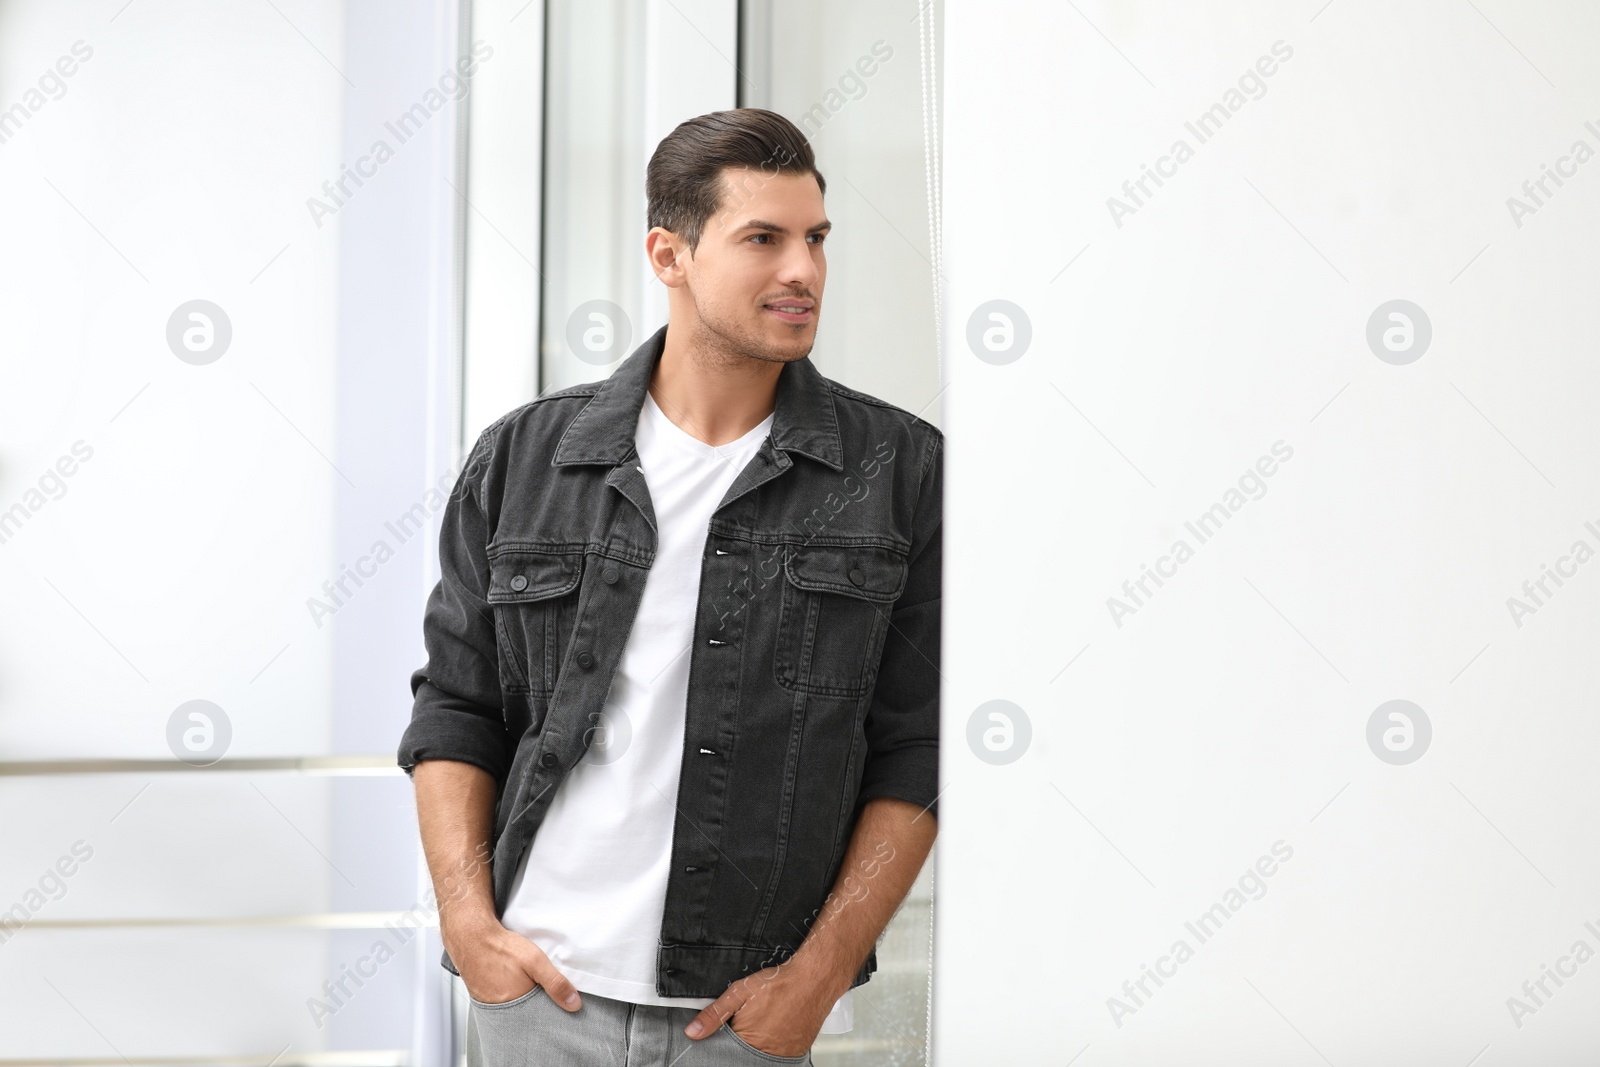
(675, 747)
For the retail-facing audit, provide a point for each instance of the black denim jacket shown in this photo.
(814, 676)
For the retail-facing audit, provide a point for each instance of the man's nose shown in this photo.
(799, 269)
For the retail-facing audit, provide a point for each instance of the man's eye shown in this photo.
(819, 237)
(762, 237)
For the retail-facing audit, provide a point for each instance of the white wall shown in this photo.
(1171, 749)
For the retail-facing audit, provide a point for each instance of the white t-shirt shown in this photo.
(592, 887)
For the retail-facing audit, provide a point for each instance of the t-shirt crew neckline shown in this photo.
(689, 442)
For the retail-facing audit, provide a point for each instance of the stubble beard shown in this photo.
(724, 344)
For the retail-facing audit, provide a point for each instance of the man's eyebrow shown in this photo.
(773, 227)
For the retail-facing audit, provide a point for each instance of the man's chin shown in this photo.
(789, 344)
(793, 353)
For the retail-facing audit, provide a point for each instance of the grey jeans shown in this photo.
(533, 1031)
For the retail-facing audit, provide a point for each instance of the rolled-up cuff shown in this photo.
(910, 773)
(445, 727)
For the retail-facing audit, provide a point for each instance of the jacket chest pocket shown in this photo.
(834, 616)
(534, 595)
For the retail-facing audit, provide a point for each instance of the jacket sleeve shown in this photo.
(457, 704)
(902, 723)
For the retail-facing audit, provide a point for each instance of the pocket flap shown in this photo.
(521, 574)
(866, 571)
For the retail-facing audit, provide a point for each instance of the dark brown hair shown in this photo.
(684, 181)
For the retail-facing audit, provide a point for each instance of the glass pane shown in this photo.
(224, 418)
(594, 217)
(847, 74)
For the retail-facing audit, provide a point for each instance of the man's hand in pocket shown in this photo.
(499, 965)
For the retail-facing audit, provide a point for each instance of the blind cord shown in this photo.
(928, 48)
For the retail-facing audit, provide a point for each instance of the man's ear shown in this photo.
(664, 250)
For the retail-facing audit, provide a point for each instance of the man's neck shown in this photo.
(716, 397)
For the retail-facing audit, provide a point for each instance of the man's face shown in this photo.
(756, 278)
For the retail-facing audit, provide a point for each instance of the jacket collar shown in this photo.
(803, 419)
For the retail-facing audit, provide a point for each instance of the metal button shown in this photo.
(519, 582)
(611, 574)
(857, 577)
(550, 759)
(585, 659)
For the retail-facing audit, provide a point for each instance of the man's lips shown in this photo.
(791, 310)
